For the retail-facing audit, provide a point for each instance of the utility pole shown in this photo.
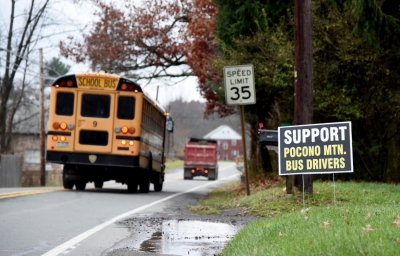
(303, 101)
(41, 126)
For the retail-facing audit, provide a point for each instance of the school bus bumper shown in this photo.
(92, 159)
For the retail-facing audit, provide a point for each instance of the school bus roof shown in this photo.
(101, 80)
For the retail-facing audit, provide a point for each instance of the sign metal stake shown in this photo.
(244, 149)
(304, 203)
(334, 189)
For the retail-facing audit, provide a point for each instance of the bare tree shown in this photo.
(18, 45)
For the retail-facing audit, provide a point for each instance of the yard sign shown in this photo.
(315, 149)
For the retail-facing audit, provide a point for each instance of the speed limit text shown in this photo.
(239, 73)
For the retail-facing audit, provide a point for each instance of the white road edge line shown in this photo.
(69, 244)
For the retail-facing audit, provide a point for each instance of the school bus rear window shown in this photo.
(126, 108)
(65, 104)
(95, 105)
(98, 138)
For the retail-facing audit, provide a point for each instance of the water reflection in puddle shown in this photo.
(189, 238)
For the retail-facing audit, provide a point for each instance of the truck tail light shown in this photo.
(205, 171)
(193, 170)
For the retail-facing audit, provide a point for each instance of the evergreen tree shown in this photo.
(54, 68)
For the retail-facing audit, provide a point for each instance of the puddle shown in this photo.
(187, 237)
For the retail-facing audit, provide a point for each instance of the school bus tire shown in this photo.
(80, 185)
(132, 187)
(144, 185)
(67, 184)
(158, 185)
(98, 184)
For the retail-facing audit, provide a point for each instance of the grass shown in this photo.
(225, 197)
(173, 163)
(363, 220)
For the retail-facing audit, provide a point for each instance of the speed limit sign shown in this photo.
(239, 85)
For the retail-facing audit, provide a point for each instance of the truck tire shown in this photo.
(213, 174)
(187, 175)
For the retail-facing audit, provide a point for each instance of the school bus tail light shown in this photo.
(56, 125)
(131, 129)
(62, 138)
(124, 129)
(128, 85)
(123, 142)
(63, 126)
(54, 138)
(131, 143)
(65, 81)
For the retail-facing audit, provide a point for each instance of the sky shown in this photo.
(72, 18)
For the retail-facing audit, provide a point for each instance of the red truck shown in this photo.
(201, 159)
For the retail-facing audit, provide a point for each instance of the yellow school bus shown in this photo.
(104, 127)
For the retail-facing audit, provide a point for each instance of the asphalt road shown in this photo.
(53, 221)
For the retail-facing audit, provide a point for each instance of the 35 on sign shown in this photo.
(241, 92)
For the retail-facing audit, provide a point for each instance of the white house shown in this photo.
(229, 142)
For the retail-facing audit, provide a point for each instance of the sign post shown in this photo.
(239, 90)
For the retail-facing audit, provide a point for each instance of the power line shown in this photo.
(33, 73)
